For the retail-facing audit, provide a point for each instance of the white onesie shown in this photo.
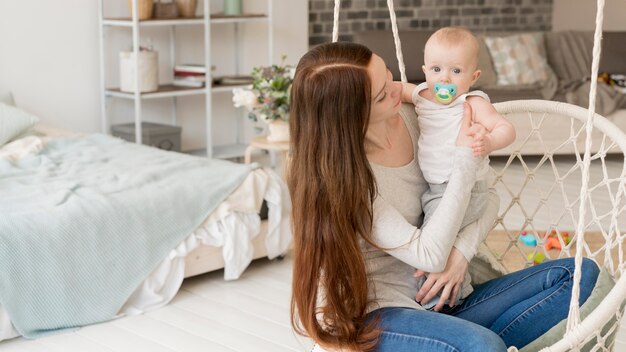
(439, 126)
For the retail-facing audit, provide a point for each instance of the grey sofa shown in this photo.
(613, 59)
(571, 72)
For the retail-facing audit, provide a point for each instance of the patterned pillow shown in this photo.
(519, 59)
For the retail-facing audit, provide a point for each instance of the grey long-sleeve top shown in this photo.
(397, 218)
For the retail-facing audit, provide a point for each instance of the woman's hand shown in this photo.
(447, 283)
(465, 139)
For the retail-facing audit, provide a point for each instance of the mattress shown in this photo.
(230, 237)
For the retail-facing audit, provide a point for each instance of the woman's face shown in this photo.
(386, 93)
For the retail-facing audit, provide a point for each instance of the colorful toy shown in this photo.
(537, 258)
(552, 240)
(528, 239)
(444, 93)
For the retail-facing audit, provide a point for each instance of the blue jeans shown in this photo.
(512, 310)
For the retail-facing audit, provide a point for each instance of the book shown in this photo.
(187, 83)
(190, 78)
(233, 80)
(186, 73)
(191, 68)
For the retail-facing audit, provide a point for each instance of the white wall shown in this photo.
(581, 15)
(49, 59)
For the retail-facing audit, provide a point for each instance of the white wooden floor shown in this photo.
(210, 314)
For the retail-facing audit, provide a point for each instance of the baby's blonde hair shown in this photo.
(454, 36)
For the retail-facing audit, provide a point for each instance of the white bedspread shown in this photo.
(232, 227)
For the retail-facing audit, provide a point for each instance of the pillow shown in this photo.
(570, 54)
(519, 59)
(7, 98)
(613, 58)
(603, 286)
(488, 76)
(13, 122)
(484, 266)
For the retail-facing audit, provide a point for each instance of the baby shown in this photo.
(451, 68)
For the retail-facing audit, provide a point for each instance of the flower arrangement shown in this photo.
(268, 98)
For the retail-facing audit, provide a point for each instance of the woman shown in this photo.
(355, 186)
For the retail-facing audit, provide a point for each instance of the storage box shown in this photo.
(148, 71)
(166, 137)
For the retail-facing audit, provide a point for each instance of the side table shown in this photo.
(263, 144)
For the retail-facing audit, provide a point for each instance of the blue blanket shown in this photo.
(86, 220)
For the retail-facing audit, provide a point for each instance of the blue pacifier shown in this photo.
(444, 93)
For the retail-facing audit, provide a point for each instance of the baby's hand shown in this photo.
(481, 145)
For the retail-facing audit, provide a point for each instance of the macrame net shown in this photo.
(577, 200)
(540, 194)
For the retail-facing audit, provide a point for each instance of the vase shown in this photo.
(165, 9)
(144, 9)
(232, 7)
(187, 8)
(279, 131)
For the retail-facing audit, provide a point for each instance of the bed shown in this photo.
(228, 236)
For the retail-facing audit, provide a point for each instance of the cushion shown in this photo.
(499, 94)
(7, 98)
(519, 59)
(603, 286)
(484, 266)
(569, 54)
(613, 57)
(13, 122)
(488, 76)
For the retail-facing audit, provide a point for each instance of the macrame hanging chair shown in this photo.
(597, 215)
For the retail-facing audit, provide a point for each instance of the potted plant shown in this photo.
(267, 100)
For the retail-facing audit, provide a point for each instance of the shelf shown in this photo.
(228, 87)
(164, 91)
(167, 90)
(170, 90)
(219, 18)
(222, 151)
(215, 18)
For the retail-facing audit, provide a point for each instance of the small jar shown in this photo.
(232, 7)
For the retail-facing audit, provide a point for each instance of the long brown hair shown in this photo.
(332, 189)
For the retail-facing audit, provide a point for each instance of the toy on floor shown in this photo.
(552, 240)
(528, 239)
(537, 258)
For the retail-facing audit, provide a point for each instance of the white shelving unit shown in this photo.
(207, 20)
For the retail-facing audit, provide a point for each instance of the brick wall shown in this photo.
(477, 15)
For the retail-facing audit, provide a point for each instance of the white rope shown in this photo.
(336, 21)
(396, 40)
(574, 310)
